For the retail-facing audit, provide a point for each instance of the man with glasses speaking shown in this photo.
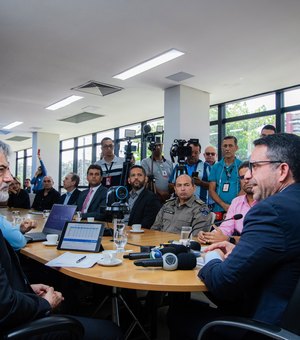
(111, 164)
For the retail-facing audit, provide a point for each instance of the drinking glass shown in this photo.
(78, 216)
(16, 217)
(120, 237)
(184, 235)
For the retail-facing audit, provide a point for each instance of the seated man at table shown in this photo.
(91, 202)
(45, 198)
(70, 183)
(231, 230)
(257, 276)
(18, 197)
(143, 203)
(183, 210)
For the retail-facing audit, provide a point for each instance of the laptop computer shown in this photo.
(58, 216)
(82, 236)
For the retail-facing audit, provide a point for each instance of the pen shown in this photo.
(81, 259)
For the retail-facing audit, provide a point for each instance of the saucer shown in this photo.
(46, 243)
(137, 231)
(114, 262)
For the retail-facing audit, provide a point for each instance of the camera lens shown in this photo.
(121, 192)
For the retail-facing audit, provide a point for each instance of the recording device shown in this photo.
(169, 261)
(150, 137)
(116, 201)
(129, 148)
(234, 217)
(156, 252)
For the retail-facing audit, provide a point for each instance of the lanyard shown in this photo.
(108, 170)
(228, 172)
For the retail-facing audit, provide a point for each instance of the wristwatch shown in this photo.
(231, 239)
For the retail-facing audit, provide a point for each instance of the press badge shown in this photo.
(164, 173)
(108, 180)
(226, 187)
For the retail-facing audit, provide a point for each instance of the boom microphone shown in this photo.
(169, 261)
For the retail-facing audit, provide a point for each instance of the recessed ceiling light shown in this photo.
(151, 63)
(63, 103)
(12, 125)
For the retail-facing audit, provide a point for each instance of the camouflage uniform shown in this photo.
(172, 217)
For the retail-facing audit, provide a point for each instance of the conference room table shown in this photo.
(126, 275)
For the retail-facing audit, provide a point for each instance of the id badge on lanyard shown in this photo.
(108, 181)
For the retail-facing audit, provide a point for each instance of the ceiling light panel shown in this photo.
(12, 125)
(63, 103)
(149, 64)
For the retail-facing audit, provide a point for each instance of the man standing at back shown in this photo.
(224, 183)
(111, 165)
(91, 202)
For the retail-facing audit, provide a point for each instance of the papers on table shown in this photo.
(74, 260)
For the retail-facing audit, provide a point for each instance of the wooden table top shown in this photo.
(126, 275)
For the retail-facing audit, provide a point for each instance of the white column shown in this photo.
(48, 144)
(186, 116)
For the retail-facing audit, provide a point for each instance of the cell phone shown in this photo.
(195, 174)
(39, 152)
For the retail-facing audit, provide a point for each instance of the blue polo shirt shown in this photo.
(222, 174)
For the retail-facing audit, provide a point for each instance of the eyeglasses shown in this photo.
(210, 153)
(108, 146)
(254, 165)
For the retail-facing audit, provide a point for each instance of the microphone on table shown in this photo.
(234, 217)
(169, 261)
(157, 252)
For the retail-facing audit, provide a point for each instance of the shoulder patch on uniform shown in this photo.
(171, 199)
(200, 202)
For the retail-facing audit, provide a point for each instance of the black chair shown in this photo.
(72, 328)
(288, 330)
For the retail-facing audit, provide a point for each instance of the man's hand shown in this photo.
(48, 293)
(27, 225)
(212, 237)
(40, 289)
(225, 248)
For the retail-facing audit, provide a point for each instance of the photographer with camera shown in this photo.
(189, 162)
(162, 169)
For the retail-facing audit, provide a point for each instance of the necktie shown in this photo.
(86, 201)
(68, 195)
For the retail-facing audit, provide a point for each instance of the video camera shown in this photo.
(150, 137)
(182, 149)
(116, 198)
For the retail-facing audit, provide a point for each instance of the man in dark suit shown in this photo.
(45, 198)
(91, 202)
(21, 302)
(70, 182)
(257, 276)
(144, 204)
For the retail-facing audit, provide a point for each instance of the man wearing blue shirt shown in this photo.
(224, 183)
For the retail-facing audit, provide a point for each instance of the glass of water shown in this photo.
(185, 235)
(120, 237)
(16, 217)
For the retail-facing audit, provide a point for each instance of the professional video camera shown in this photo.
(129, 148)
(181, 149)
(150, 137)
(116, 201)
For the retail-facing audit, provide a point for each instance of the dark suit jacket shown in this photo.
(20, 200)
(264, 267)
(145, 209)
(42, 202)
(18, 303)
(97, 207)
(73, 199)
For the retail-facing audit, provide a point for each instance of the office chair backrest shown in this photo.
(291, 319)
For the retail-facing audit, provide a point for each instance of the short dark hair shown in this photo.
(96, 167)
(105, 139)
(283, 147)
(231, 137)
(195, 144)
(75, 178)
(244, 165)
(138, 167)
(269, 127)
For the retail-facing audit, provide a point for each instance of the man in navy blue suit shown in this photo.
(71, 182)
(257, 277)
(91, 202)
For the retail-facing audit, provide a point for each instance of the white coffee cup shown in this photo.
(52, 238)
(91, 219)
(136, 227)
(109, 256)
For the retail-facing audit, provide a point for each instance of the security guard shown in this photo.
(184, 210)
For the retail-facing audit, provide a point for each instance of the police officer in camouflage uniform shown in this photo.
(183, 210)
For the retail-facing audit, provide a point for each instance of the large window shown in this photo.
(23, 165)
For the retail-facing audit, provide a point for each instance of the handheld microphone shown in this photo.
(155, 253)
(234, 217)
(169, 261)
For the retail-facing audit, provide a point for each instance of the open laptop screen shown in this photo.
(82, 236)
(57, 218)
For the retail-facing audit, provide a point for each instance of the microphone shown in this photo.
(157, 253)
(234, 217)
(169, 261)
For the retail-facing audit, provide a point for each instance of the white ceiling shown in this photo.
(234, 48)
